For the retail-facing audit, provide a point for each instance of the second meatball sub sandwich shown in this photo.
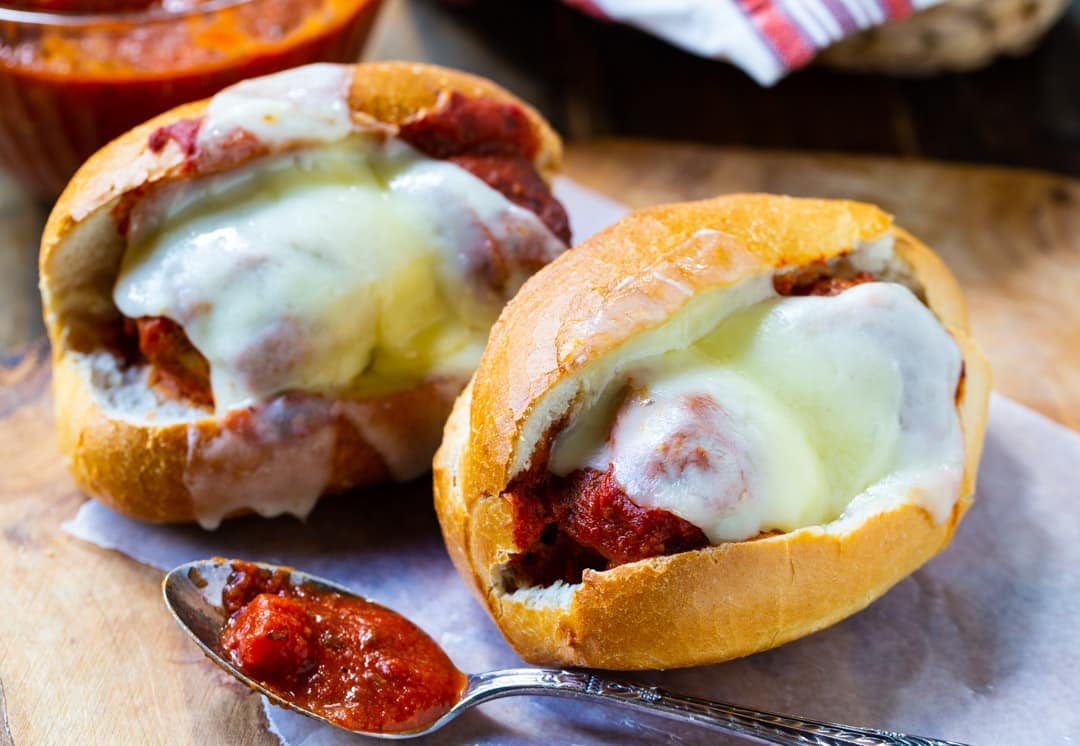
(711, 429)
(277, 293)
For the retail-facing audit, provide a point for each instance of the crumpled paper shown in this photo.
(766, 38)
(982, 645)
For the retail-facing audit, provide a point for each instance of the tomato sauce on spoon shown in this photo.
(349, 660)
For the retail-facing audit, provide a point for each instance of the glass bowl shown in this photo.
(72, 81)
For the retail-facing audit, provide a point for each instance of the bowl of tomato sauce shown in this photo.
(74, 74)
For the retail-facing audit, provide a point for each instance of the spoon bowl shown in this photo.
(193, 595)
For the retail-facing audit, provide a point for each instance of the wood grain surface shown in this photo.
(87, 652)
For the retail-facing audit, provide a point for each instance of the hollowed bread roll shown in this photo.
(713, 428)
(276, 293)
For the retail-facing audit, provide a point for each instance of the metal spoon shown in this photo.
(193, 594)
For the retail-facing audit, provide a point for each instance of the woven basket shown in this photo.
(954, 36)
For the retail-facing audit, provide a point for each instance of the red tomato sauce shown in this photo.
(585, 520)
(68, 88)
(81, 6)
(353, 662)
(176, 367)
(494, 141)
(814, 279)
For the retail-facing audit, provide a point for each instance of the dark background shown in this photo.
(595, 79)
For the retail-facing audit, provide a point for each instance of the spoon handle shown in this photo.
(780, 729)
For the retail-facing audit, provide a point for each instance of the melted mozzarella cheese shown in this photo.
(304, 104)
(784, 415)
(346, 264)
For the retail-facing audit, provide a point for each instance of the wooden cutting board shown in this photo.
(87, 652)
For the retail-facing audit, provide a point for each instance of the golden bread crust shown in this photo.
(146, 471)
(394, 92)
(137, 468)
(723, 601)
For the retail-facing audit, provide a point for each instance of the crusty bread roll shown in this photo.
(602, 301)
(163, 460)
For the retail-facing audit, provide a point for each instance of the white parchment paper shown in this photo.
(982, 645)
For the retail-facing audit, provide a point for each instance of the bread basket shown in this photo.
(955, 36)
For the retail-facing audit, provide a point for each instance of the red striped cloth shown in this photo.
(766, 38)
